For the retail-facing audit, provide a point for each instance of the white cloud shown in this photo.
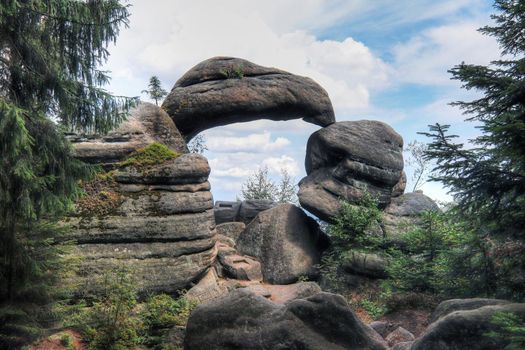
(177, 35)
(425, 58)
(255, 143)
(284, 162)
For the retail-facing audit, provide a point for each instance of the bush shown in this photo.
(350, 231)
(159, 314)
(110, 323)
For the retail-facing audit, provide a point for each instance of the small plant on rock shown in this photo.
(155, 153)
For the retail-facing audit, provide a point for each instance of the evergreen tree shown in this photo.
(50, 51)
(488, 180)
(156, 92)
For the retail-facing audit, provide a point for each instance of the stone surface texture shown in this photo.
(243, 320)
(467, 329)
(163, 230)
(226, 90)
(146, 124)
(403, 213)
(286, 242)
(347, 159)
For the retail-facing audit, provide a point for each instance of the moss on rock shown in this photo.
(155, 153)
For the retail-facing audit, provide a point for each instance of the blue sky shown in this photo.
(381, 59)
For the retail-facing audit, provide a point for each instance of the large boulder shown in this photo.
(226, 90)
(158, 222)
(366, 264)
(347, 159)
(467, 329)
(243, 320)
(286, 242)
(448, 306)
(146, 124)
(404, 212)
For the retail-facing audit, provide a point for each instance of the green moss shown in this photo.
(155, 153)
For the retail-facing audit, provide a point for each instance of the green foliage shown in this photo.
(232, 72)
(160, 313)
(110, 323)
(50, 52)
(155, 153)
(511, 329)
(156, 92)
(488, 179)
(352, 222)
(66, 340)
(350, 231)
(260, 186)
(374, 309)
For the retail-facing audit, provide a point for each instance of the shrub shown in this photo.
(233, 72)
(375, 310)
(110, 323)
(350, 229)
(162, 312)
(155, 153)
(510, 328)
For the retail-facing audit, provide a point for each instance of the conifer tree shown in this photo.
(156, 92)
(488, 179)
(50, 54)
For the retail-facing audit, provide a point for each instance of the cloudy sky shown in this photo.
(381, 59)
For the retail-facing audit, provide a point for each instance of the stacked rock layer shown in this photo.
(162, 230)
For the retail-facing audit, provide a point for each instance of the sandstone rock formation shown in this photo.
(286, 242)
(366, 264)
(146, 124)
(226, 90)
(467, 329)
(243, 320)
(161, 227)
(240, 211)
(404, 211)
(448, 306)
(347, 159)
(399, 335)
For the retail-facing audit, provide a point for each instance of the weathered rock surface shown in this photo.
(206, 289)
(399, 335)
(401, 185)
(381, 327)
(231, 230)
(347, 159)
(366, 264)
(467, 329)
(286, 242)
(406, 345)
(243, 320)
(146, 124)
(241, 211)
(226, 90)
(403, 212)
(448, 306)
(163, 232)
(241, 267)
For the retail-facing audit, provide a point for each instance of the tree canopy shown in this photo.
(50, 81)
(488, 180)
